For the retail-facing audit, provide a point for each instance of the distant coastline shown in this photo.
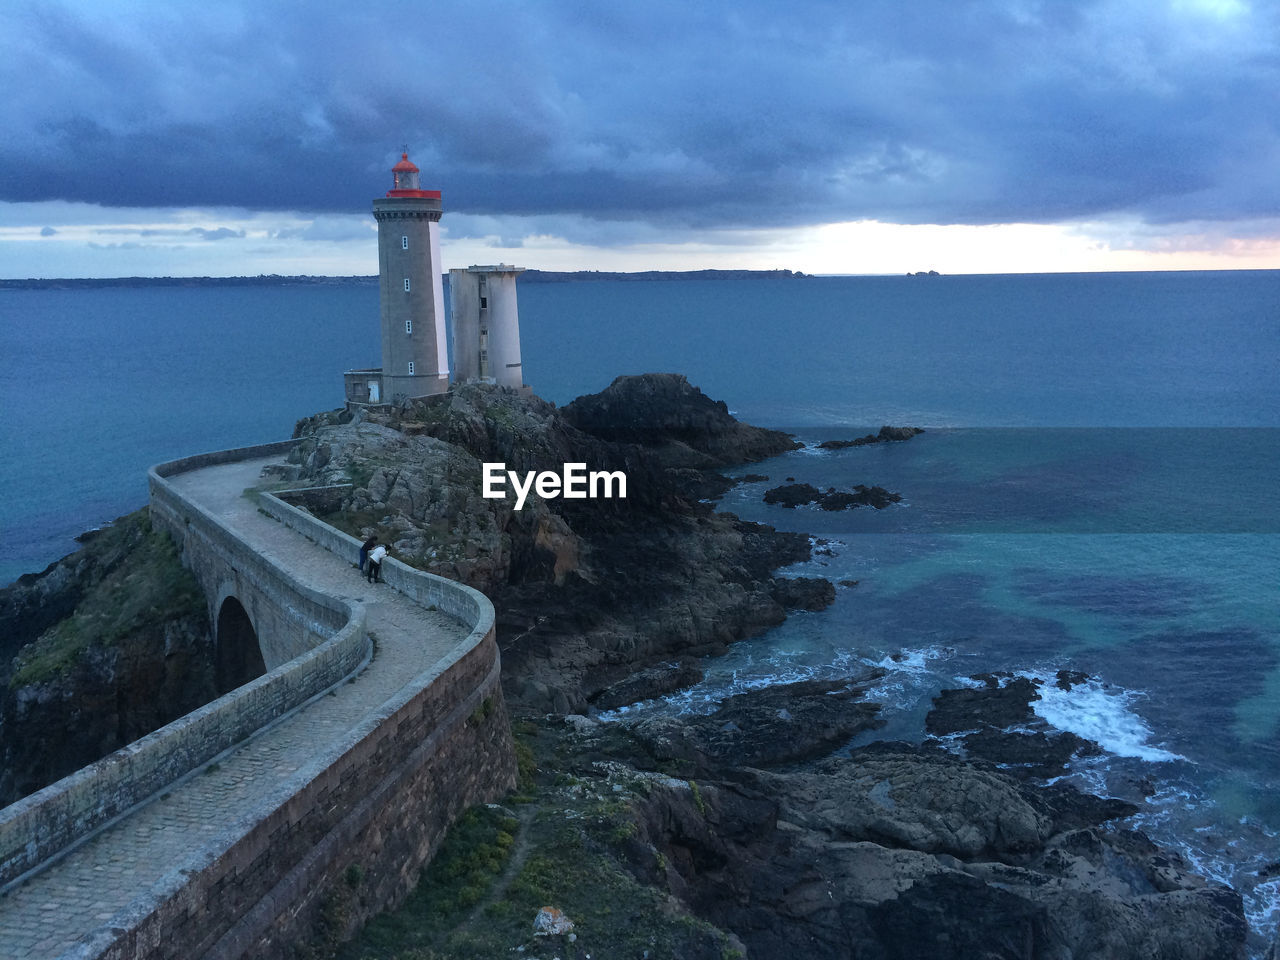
(271, 279)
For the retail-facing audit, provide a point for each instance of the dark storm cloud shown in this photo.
(703, 115)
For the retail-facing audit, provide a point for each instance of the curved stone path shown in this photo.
(47, 913)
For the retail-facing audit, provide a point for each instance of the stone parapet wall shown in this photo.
(289, 618)
(458, 600)
(50, 820)
(379, 799)
(317, 499)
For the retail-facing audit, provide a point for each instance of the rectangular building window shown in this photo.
(406, 284)
(404, 243)
(411, 368)
(484, 303)
(408, 326)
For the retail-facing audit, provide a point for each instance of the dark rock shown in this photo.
(991, 706)
(793, 495)
(768, 727)
(886, 435)
(107, 645)
(842, 444)
(700, 485)
(804, 593)
(798, 494)
(1003, 702)
(647, 684)
(894, 434)
(877, 497)
(922, 921)
(586, 591)
(838, 501)
(666, 413)
(899, 851)
(1066, 679)
(1028, 754)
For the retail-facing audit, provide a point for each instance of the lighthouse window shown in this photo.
(408, 326)
(404, 243)
(406, 284)
(411, 368)
(484, 302)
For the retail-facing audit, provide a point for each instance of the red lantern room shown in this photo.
(405, 179)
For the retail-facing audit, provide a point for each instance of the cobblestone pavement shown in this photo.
(46, 914)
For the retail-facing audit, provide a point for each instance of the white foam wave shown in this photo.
(1102, 714)
(812, 449)
(915, 661)
(907, 674)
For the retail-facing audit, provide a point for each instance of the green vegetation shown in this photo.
(483, 711)
(361, 473)
(569, 847)
(144, 586)
(697, 798)
(470, 859)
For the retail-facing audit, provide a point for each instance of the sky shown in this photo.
(858, 136)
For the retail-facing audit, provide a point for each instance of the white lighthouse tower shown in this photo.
(486, 325)
(415, 361)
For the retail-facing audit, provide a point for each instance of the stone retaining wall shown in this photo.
(379, 798)
(46, 822)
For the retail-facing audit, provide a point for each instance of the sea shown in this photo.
(1096, 488)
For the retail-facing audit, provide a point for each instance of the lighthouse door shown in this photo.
(374, 391)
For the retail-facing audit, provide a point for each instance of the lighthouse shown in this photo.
(415, 361)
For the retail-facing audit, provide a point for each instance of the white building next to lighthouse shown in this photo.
(415, 361)
(486, 325)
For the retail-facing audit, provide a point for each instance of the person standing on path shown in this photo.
(364, 550)
(376, 556)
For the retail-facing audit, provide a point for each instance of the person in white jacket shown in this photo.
(376, 556)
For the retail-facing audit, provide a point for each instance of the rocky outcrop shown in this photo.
(794, 495)
(588, 592)
(103, 647)
(675, 420)
(891, 850)
(775, 726)
(887, 434)
(984, 716)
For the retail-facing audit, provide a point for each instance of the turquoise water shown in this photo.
(1096, 488)
(1145, 557)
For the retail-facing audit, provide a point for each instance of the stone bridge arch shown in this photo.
(237, 651)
